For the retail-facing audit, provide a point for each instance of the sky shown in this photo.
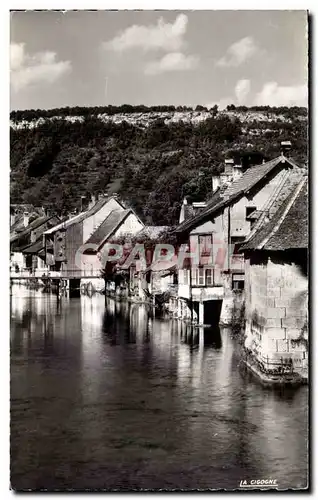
(83, 58)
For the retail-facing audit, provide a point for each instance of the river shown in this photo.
(107, 397)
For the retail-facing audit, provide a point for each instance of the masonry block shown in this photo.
(275, 333)
(293, 333)
(273, 323)
(282, 346)
(297, 347)
(275, 312)
(271, 302)
(293, 322)
(276, 281)
(283, 302)
(292, 312)
(268, 346)
(273, 292)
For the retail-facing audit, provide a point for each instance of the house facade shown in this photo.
(276, 292)
(120, 224)
(211, 288)
(63, 243)
(26, 243)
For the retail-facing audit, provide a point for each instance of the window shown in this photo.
(201, 276)
(236, 242)
(184, 277)
(205, 243)
(208, 277)
(238, 282)
(249, 210)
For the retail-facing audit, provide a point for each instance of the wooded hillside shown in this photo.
(55, 160)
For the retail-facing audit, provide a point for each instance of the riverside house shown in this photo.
(241, 202)
(119, 224)
(26, 243)
(276, 292)
(63, 242)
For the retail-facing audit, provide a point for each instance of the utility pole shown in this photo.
(106, 88)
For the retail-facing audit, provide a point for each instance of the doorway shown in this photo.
(212, 312)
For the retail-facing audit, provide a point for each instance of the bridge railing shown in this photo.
(66, 274)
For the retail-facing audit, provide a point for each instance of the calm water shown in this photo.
(110, 398)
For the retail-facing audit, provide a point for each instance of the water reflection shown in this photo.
(123, 399)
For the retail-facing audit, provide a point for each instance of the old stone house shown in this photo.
(211, 288)
(119, 225)
(276, 292)
(64, 242)
(26, 241)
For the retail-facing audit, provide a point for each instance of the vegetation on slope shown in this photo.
(152, 168)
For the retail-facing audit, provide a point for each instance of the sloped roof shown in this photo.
(34, 248)
(39, 221)
(18, 224)
(83, 215)
(64, 224)
(222, 198)
(254, 215)
(95, 208)
(288, 228)
(252, 176)
(107, 228)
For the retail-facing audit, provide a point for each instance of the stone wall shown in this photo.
(276, 315)
(232, 304)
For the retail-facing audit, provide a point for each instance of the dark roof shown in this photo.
(222, 198)
(107, 228)
(254, 215)
(252, 176)
(75, 219)
(19, 226)
(288, 228)
(33, 225)
(95, 208)
(34, 248)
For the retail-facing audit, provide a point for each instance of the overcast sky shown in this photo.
(158, 57)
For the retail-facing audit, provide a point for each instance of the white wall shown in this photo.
(17, 259)
(131, 225)
(92, 223)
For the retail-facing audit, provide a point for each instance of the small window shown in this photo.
(208, 277)
(249, 211)
(185, 277)
(201, 276)
(194, 277)
(238, 282)
(205, 243)
(236, 241)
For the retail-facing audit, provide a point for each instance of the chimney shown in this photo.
(25, 219)
(84, 203)
(216, 181)
(92, 202)
(228, 166)
(285, 147)
(183, 211)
